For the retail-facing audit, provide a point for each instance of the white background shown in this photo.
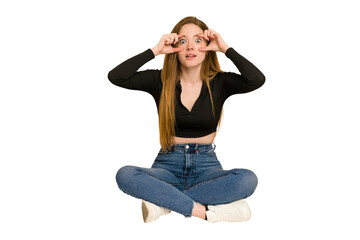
(66, 130)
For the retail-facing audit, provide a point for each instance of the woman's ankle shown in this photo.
(199, 211)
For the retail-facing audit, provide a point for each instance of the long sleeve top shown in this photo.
(200, 120)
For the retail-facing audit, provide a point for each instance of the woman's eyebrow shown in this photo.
(193, 36)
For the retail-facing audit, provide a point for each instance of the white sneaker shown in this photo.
(237, 211)
(151, 212)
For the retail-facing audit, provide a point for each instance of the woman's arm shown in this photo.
(250, 79)
(126, 75)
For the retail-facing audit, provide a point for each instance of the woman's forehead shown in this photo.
(190, 30)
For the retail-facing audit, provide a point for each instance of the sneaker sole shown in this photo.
(145, 211)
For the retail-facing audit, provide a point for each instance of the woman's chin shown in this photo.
(190, 64)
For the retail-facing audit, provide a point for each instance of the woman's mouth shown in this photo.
(190, 56)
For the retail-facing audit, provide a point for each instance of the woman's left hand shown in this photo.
(216, 41)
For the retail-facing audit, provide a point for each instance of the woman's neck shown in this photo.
(190, 75)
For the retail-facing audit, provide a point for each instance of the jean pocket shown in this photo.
(210, 151)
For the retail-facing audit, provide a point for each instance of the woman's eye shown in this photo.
(182, 41)
(198, 40)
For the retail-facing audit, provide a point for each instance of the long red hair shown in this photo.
(170, 75)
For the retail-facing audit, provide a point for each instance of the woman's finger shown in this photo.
(212, 34)
(166, 37)
(206, 35)
(168, 40)
(173, 37)
(178, 49)
(201, 35)
(209, 32)
(177, 38)
(203, 49)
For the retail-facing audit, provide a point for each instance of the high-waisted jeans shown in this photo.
(186, 174)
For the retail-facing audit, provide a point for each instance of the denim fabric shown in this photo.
(186, 174)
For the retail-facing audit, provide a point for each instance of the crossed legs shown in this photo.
(162, 188)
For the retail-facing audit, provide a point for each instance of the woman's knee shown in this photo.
(248, 181)
(251, 177)
(125, 175)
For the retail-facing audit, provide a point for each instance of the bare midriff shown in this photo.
(208, 139)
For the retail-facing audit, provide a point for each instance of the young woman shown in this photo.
(190, 90)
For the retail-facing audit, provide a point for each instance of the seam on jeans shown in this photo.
(192, 163)
(174, 184)
(227, 174)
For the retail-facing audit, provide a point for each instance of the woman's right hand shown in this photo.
(164, 45)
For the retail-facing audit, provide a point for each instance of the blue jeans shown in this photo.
(186, 174)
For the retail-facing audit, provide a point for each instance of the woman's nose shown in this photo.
(190, 47)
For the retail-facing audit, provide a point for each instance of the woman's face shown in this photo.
(190, 42)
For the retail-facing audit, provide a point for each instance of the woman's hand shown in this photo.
(216, 41)
(164, 45)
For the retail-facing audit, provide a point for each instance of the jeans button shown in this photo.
(187, 147)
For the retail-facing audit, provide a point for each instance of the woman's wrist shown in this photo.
(155, 51)
(225, 49)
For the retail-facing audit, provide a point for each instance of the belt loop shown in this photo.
(171, 148)
(196, 148)
(213, 145)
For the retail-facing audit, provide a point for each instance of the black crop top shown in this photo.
(199, 121)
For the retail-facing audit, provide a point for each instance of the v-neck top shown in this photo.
(200, 121)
